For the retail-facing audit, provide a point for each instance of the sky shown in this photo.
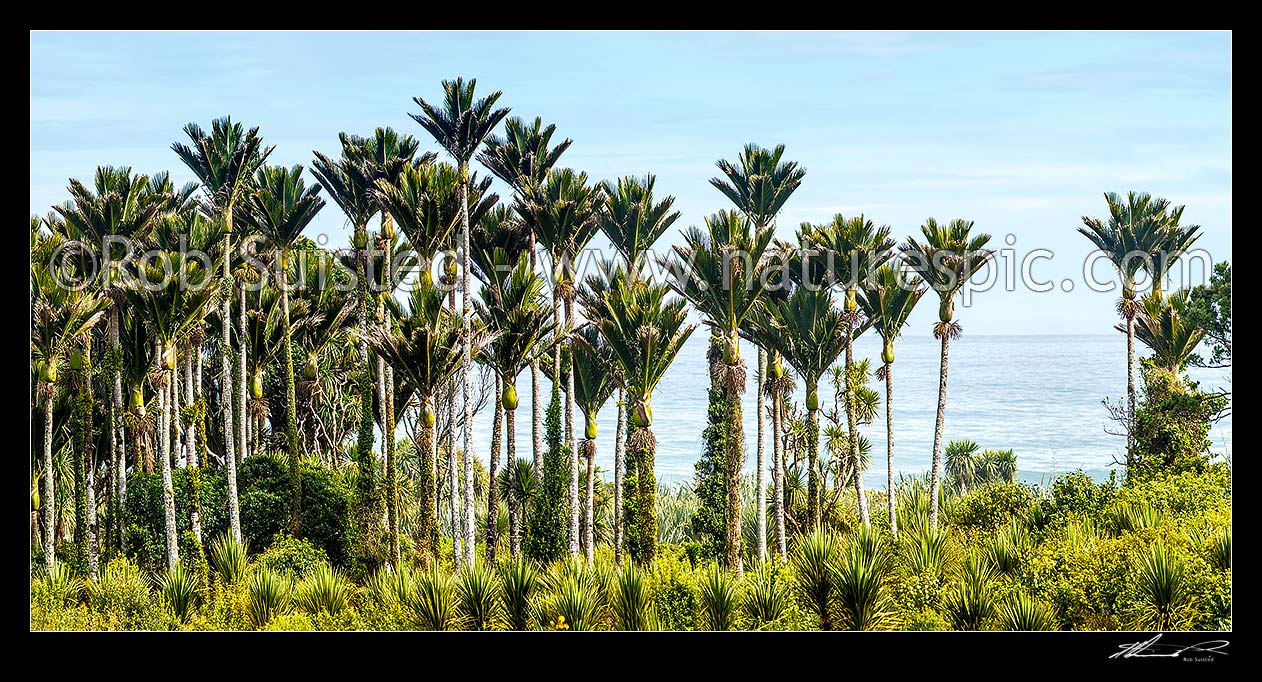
(1019, 132)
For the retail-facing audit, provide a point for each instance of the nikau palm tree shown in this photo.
(520, 320)
(853, 249)
(1132, 238)
(760, 187)
(632, 222)
(1161, 327)
(888, 299)
(644, 331)
(717, 271)
(521, 158)
(595, 378)
(460, 125)
(171, 305)
(949, 256)
(810, 334)
(562, 213)
(281, 206)
(224, 162)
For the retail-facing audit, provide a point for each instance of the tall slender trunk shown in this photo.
(392, 467)
(732, 461)
(192, 465)
(493, 486)
(760, 512)
(175, 425)
(466, 362)
(935, 476)
(889, 445)
(89, 470)
(851, 423)
(1130, 392)
(367, 514)
(229, 433)
(118, 442)
(241, 381)
(589, 509)
(570, 439)
(428, 532)
(641, 451)
(620, 429)
(49, 499)
(536, 418)
(510, 454)
(453, 484)
(168, 491)
(292, 444)
(812, 454)
(777, 472)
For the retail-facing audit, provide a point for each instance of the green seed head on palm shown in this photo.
(224, 161)
(760, 182)
(524, 154)
(947, 258)
(631, 220)
(460, 123)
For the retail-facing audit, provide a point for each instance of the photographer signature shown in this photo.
(1153, 649)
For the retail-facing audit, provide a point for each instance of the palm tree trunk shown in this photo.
(493, 486)
(732, 461)
(192, 472)
(777, 472)
(536, 418)
(760, 512)
(229, 433)
(292, 444)
(641, 446)
(168, 491)
(589, 513)
(889, 446)
(118, 442)
(570, 439)
(514, 517)
(620, 428)
(241, 363)
(89, 468)
(812, 454)
(466, 362)
(175, 424)
(1130, 392)
(853, 440)
(935, 476)
(49, 499)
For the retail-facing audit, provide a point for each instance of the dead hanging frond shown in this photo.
(565, 290)
(642, 440)
(951, 330)
(882, 372)
(45, 390)
(1129, 307)
(589, 448)
(259, 407)
(304, 388)
(735, 376)
(196, 336)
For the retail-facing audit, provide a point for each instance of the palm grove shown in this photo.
(268, 380)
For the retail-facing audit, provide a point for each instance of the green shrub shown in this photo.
(970, 605)
(325, 590)
(992, 506)
(265, 504)
(631, 602)
(1162, 595)
(767, 597)
(862, 572)
(925, 620)
(519, 580)
(292, 557)
(180, 590)
(229, 558)
(674, 590)
(270, 596)
(479, 597)
(432, 600)
(1077, 493)
(815, 567)
(1021, 612)
(122, 594)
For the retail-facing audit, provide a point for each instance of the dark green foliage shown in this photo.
(145, 521)
(520, 582)
(265, 504)
(1172, 424)
(1209, 308)
(640, 496)
(545, 526)
(631, 601)
(1077, 492)
(709, 519)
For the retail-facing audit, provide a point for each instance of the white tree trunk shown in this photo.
(229, 433)
(49, 500)
(536, 418)
(777, 471)
(619, 453)
(935, 482)
(570, 438)
(760, 512)
(241, 380)
(466, 365)
(1130, 393)
(889, 446)
(194, 514)
(589, 544)
(118, 439)
(168, 491)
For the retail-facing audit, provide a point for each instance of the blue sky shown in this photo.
(1019, 132)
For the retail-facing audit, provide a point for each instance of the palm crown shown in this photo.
(282, 205)
(460, 123)
(595, 376)
(888, 299)
(562, 214)
(345, 181)
(846, 251)
(223, 161)
(1161, 327)
(761, 184)
(519, 315)
(1134, 231)
(172, 294)
(522, 155)
(630, 218)
(949, 255)
(807, 331)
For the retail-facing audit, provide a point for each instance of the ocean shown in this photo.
(1039, 395)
